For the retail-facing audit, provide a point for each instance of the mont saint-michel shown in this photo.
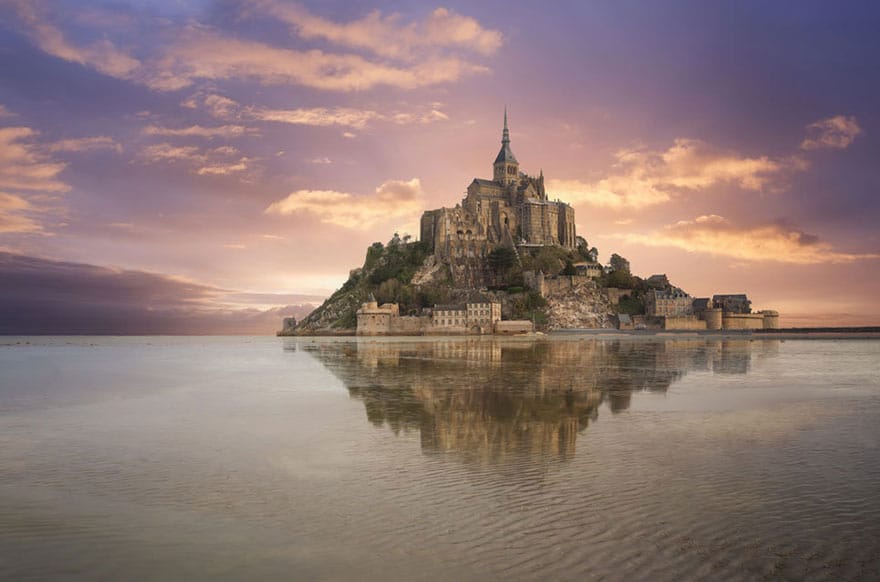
(508, 259)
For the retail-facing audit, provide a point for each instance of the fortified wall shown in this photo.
(465, 319)
(676, 310)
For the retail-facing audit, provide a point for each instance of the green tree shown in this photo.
(618, 263)
(631, 304)
(621, 280)
(585, 251)
(550, 260)
(501, 259)
(374, 253)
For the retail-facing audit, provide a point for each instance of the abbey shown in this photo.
(511, 209)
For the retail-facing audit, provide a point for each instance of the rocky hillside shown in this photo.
(408, 274)
(581, 307)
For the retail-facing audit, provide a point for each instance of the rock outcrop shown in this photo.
(408, 274)
(579, 307)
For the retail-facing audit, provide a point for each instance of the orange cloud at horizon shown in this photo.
(716, 235)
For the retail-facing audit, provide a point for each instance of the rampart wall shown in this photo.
(684, 322)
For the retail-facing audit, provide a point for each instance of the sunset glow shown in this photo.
(209, 167)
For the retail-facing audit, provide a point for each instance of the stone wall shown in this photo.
(555, 286)
(567, 232)
(771, 318)
(684, 322)
(714, 318)
(410, 325)
(647, 322)
(743, 321)
(515, 326)
(614, 294)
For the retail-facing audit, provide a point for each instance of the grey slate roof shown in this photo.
(506, 155)
(702, 303)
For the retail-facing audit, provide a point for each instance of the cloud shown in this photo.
(223, 169)
(342, 116)
(225, 108)
(83, 144)
(318, 116)
(226, 131)
(103, 55)
(219, 161)
(4, 112)
(41, 296)
(219, 106)
(24, 165)
(168, 152)
(405, 56)
(836, 133)
(387, 36)
(205, 54)
(391, 199)
(645, 178)
(616, 192)
(716, 235)
(30, 179)
(13, 215)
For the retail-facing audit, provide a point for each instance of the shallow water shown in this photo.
(563, 458)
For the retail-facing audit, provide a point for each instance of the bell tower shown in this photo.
(506, 167)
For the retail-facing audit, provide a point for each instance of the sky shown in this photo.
(210, 166)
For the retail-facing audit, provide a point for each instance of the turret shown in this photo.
(506, 167)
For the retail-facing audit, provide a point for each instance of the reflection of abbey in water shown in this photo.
(490, 401)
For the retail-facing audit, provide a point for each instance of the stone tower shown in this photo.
(511, 210)
(506, 166)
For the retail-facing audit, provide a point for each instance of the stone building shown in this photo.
(511, 209)
(668, 303)
(375, 319)
(467, 318)
(591, 270)
(732, 303)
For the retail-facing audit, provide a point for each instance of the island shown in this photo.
(507, 260)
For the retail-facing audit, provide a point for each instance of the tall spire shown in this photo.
(505, 155)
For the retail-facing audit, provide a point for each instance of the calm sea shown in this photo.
(564, 458)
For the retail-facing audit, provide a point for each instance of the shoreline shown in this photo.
(782, 333)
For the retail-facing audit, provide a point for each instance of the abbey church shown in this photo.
(511, 209)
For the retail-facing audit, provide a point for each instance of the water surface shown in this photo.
(461, 458)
